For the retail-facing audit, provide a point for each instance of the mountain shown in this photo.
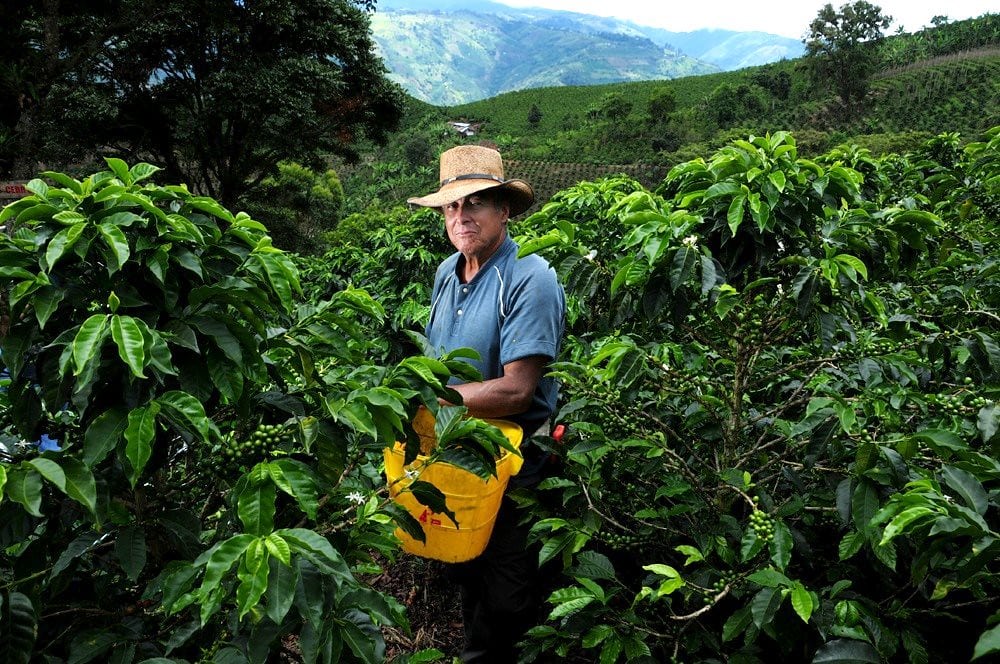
(727, 49)
(450, 52)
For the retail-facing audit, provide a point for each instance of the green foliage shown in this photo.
(393, 252)
(216, 93)
(841, 48)
(951, 91)
(297, 205)
(661, 104)
(386, 183)
(534, 115)
(41, 87)
(943, 38)
(781, 386)
(418, 151)
(613, 108)
(214, 491)
(777, 81)
(729, 104)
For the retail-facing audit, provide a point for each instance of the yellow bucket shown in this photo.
(474, 501)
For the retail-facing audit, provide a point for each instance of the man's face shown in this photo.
(477, 225)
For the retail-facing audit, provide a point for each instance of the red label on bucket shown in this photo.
(423, 518)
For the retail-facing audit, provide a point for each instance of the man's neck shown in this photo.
(469, 266)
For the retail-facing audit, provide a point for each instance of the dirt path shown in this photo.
(432, 603)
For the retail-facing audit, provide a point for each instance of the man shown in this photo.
(512, 312)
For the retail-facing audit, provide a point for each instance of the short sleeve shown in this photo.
(535, 317)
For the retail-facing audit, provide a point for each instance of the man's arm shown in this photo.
(507, 395)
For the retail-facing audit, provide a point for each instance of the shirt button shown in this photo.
(459, 312)
(465, 289)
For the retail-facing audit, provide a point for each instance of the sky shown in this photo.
(789, 18)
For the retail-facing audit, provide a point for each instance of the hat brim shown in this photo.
(519, 193)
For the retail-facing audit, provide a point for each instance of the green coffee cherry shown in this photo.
(262, 442)
(762, 524)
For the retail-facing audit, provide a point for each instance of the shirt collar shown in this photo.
(506, 247)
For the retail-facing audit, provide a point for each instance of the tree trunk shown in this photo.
(25, 165)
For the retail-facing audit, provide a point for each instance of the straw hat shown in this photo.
(467, 169)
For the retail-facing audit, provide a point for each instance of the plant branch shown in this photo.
(593, 508)
(705, 609)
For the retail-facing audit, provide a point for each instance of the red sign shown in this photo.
(13, 189)
(423, 518)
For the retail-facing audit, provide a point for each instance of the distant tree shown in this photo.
(939, 20)
(614, 107)
(662, 104)
(667, 140)
(534, 115)
(841, 48)
(418, 151)
(779, 83)
(729, 104)
(216, 92)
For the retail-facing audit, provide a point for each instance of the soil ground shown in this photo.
(433, 606)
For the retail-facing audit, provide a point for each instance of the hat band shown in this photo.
(472, 176)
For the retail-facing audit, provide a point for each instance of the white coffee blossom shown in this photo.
(691, 240)
(356, 497)
(592, 255)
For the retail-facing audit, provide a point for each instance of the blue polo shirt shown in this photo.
(513, 308)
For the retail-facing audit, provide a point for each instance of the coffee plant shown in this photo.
(781, 388)
(780, 384)
(389, 251)
(190, 446)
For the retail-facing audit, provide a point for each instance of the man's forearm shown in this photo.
(507, 395)
(498, 397)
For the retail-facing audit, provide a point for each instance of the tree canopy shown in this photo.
(839, 47)
(217, 93)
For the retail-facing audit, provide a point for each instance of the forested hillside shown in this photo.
(475, 54)
(941, 80)
(954, 91)
(448, 52)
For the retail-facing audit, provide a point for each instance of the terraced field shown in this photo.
(548, 178)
